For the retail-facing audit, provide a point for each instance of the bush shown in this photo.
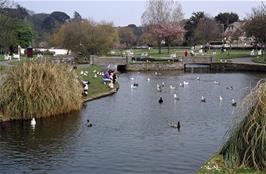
(39, 89)
(246, 146)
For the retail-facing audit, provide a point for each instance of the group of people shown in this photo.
(109, 77)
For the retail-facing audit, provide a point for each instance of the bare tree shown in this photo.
(207, 30)
(256, 25)
(162, 13)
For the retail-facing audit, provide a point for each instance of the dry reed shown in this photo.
(246, 146)
(39, 89)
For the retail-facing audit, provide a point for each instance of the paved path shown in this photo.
(246, 60)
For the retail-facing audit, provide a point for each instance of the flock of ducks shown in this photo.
(182, 84)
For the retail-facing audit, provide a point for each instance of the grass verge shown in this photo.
(215, 165)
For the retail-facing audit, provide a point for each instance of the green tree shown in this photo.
(226, 18)
(191, 25)
(76, 16)
(86, 37)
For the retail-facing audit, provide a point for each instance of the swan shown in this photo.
(203, 99)
(33, 122)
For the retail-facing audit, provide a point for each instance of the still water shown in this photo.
(131, 132)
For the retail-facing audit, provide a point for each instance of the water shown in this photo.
(131, 132)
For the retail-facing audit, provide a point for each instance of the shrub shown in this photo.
(39, 89)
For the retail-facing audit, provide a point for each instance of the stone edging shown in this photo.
(101, 95)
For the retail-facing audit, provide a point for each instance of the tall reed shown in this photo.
(246, 146)
(39, 89)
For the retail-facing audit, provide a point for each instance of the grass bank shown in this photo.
(96, 86)
(216, 165)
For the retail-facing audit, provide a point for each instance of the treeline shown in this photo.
(163, 24)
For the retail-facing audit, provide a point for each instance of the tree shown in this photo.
(126, 36)
(226, 18)
(86, 37)
(256, 25)
(14, 32)
(76, 16)
(207, 29)
(168, 32)
(191, 25)
(158, 15)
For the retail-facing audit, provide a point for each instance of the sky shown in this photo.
(122, 13)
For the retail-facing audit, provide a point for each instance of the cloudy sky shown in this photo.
(126, 12)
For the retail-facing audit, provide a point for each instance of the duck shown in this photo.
(233, 102)
(220, 98)
(203, 99)
(33, 122)
(88, 124)
(163, 84)
(175, 125)
(181, 84)
(176, 97)
(133, 86)
(160, 100)
(172, 87)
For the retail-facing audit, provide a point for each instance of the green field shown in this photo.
(216, 166)
(230, 54)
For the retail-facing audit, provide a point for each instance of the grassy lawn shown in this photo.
(153, 52)
(259, 59)
(216, 166)
(96, 85)
(1, 57)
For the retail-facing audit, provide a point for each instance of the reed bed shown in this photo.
(246, 145)
(39, 89)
